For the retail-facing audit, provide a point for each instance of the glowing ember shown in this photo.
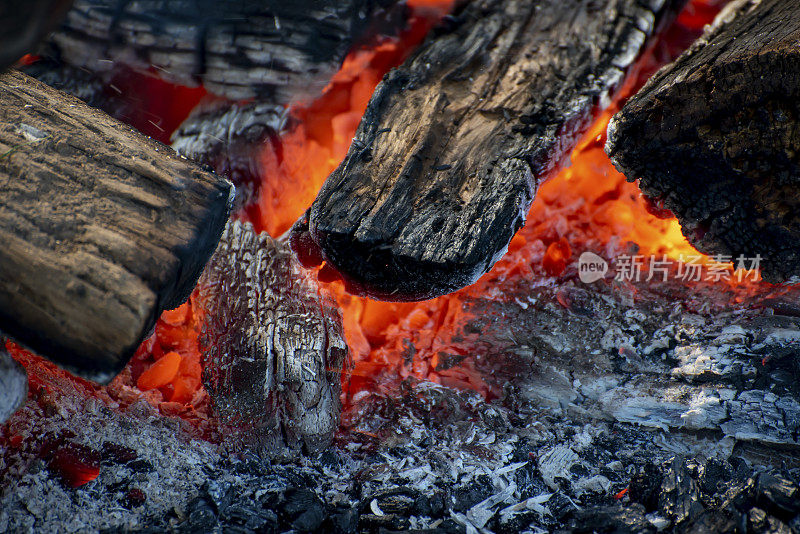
(588, 206)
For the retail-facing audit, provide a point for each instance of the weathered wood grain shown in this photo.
(715, 136)
(448, 156)
(101, 228)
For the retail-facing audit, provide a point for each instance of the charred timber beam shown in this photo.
(101, 228)
(273, 348)
(714, 136)
(449, 154)
(271, 50)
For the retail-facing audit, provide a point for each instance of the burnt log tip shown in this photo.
(447, 158)
(433, 255)
(713, 137)
(273, 347)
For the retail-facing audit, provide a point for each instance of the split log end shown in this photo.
(102, 228)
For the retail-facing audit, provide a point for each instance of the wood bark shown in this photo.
(273, 349)
(271, 50)
(102, 228)
(715, 136)
(446, 161)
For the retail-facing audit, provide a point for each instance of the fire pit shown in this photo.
(588, 371)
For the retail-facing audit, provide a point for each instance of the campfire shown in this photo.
(427, 266)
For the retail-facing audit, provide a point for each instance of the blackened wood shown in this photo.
(273, 348)
(448, 156)
(271, 49)
(229, 138)
(715, 137)
(24, 23)
(102, 228)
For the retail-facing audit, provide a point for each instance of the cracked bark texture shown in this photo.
(101, 228)
(271, 50)
(453, 144)
(715, 136)
(274, 349)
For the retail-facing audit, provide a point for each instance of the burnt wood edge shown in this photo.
(214, 196)
(710, 137)
(370, 265)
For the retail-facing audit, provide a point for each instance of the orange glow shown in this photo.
(587, 206)
(160, 373)
(294, 168)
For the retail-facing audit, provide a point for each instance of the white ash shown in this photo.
(684, 395)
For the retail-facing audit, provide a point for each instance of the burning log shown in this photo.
(713, 137)
(273, 51)
(227, 137)
(448, 156)
(273, 348)
(102, 228)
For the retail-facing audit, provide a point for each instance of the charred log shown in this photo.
(273, 348)
(274, 51)
(228, 137)
(446, 161)
(714, 136)
(102, 228)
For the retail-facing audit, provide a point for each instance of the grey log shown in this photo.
(272, 50)
(273, 348)
(13, 385)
